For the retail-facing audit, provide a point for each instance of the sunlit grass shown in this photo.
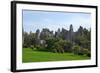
(30, 55)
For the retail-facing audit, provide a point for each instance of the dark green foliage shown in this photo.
(38, 46)
(50, 43)
(61, 41)
(86, 52)
(83, 38)
(76, 49)
(32, 46)
(58, 45)
(89, 54)
(68, 46)
(81, 51)
(26, 40)
(29, 39)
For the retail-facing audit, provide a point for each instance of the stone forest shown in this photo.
(60, 41)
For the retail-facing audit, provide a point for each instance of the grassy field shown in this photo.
(29, 55)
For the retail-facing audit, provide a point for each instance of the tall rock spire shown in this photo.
(71, 28)
(38, 34)
(71, 33)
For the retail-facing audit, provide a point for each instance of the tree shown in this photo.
(83, 42)
(60, 45)
(50, 43)
(68, 46)
(76, 49)
(55, 44)
(26, 40)
(32, 38)
(60, 41)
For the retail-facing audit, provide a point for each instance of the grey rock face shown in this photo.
(64, 34)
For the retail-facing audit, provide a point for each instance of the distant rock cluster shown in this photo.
(64, 34)
(39, 37)
(61, 41)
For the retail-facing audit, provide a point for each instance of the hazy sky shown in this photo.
(33, 20)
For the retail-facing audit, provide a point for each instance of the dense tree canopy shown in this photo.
(59, 41)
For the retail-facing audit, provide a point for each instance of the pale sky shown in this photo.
(33, 20)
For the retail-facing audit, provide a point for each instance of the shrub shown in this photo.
(86, 52)
(25, 45)
(77, 50)
(32, 46)
(67, 45)
(38, 46)
(89, 54)
(41, 48)
(80, 53)
(54, 50)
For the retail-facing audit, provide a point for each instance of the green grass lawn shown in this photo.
(30, 55)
